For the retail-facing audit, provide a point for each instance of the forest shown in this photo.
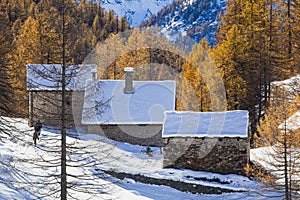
(258, 42)
(32, 32)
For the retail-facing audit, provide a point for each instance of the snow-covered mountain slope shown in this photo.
(194, 18)
(135, 11)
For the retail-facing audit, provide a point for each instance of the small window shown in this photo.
(244, 151)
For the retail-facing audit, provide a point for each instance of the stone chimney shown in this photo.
(128, 80)
(94, 73)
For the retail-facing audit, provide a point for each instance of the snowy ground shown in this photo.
(119, 157)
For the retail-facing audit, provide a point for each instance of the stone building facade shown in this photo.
(82, 106)
(207, 141)
(132, 111)
(45, 105)
(129, 111)
(224, 155)
(45, 94)
(145, 135)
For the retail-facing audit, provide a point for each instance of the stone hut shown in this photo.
(127, 110)
(206, 141)
(44, 92)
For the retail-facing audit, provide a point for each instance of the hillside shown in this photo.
(196, 19)
(135, 11)
(123, 158)
(278, 149)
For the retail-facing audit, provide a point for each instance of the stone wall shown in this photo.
(221, 155)
(46, 106)
(146, 135)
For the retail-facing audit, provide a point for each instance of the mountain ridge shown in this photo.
(197, 19)
(135, 11)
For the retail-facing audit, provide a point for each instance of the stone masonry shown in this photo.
(224, 155)
(145, 135)
(45, 105)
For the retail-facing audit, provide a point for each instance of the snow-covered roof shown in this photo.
(48, 76)
(106, 103)
(206, 124)
(292, 123)
(291, 85)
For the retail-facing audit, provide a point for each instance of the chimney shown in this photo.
(94, 73)
(128, 80)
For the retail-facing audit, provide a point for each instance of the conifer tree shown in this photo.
(195, 91)
(5, 87)
(54, 33)
(41, 44)
(228, 57)
(28, 50)
(250, 54)
(278, 133)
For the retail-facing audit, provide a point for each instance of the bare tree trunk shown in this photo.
(290, 35)
(63, 183)
(286, 178)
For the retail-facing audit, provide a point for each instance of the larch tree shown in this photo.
(227, 56)
(279, 132)
(250, 54)
(196, 95)
(5, 87)
(46, 38)
(34, 28)
(28, 50)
